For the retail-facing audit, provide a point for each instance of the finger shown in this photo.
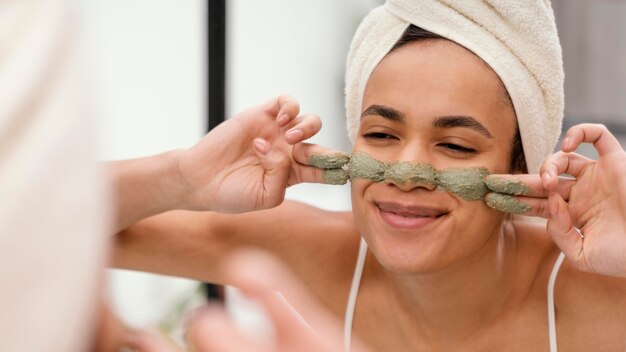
(562, 163)
(562, 230)
(319, 164)
(213, 331)
(527, 185)
(304, 127)
(538, 207)
(276, 166)
(598, 134)
(259, 274)
(287, 108)
(318, 156)
(507, 203)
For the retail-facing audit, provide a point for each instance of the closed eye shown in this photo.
(378, 135)
(457, 148)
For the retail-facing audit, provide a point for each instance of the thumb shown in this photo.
(276, 165)
(562, 230)
(318, 164)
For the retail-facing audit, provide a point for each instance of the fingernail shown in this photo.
(294, 135)
(566, 143)
(282, 119)
(548, 178)
(262, 146)
(545, 180)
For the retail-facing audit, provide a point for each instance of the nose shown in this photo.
(413, 169)
(408, 175)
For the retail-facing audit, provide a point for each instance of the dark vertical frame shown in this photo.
(216, 87)
(216, 28)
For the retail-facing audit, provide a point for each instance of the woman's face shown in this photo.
(432, 102)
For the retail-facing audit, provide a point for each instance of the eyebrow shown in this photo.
(383, 111)
(392, 114)
(461, 121)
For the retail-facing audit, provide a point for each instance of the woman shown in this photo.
(435, 271)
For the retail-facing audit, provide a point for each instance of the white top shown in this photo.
(356, 281)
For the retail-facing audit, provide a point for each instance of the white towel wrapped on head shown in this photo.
(518, 39)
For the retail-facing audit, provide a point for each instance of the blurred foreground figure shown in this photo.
(53, 217)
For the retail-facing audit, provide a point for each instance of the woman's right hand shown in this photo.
(247, 162)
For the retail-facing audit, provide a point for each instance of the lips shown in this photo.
(409, 217)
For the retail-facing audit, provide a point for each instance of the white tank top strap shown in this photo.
(354, 292)
(551, 311)
(356, 282)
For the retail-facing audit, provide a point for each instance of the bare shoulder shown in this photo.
(534, 244)
(591, 310)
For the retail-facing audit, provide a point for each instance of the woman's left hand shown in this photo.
(586, 210)
(589, 224)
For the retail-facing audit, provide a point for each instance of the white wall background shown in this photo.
(148, 78)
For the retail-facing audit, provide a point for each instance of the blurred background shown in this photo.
(151, 73)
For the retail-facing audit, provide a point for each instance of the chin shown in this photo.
(409, 254)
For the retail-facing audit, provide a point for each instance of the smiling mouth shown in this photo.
(409, 217)
(411, 211)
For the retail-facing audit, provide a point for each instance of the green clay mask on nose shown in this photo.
(468, 183)
(419, 173)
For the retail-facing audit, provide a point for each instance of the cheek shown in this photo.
(497, 161)
(357, 193)
(474, 224)
(360, 204)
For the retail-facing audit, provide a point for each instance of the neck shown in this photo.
(455, 302)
